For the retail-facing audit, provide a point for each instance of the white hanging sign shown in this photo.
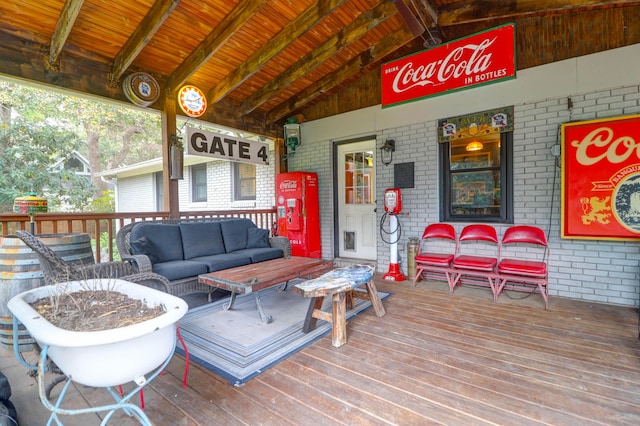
(225, 147)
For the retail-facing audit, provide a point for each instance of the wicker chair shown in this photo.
(56, 270)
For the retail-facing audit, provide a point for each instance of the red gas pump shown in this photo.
(392, 207)
(393, 201)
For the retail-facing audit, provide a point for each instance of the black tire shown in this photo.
(8, 415)
(5, 387)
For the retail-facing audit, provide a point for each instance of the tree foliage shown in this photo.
(40, 128)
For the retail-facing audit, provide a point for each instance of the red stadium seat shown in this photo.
(471, 262)
(436, 252)
(526, 264)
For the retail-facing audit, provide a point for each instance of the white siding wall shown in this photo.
(136, 194)
(601, 85)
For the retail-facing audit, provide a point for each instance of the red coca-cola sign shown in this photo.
(601, 178)
(289, 184)
(482, 58)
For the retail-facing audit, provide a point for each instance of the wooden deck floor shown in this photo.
(433, 359)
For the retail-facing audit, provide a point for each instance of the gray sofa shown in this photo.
(180, 250)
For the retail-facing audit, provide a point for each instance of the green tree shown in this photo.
(41, 127)
(115, 136)
(30, 143)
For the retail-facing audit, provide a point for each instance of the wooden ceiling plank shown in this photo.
(214, 41)
(305, 21)
(465, 11)
(357, 64)
(150, 24)
(363, 23)
(85, 76)
(65, 23)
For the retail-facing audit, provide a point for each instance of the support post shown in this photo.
(169, 128)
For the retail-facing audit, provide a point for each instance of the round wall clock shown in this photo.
(192, 101)
(141, 89)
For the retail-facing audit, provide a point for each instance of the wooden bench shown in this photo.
(341, 284)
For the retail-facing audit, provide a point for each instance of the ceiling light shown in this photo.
(474, 145)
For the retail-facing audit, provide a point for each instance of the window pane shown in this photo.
(475, 178)
(475, 193)
(244, 181)
(201, 194)
(475, 153)
(358, 182)
(199, 183)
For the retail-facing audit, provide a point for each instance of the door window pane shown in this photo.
(358, 180)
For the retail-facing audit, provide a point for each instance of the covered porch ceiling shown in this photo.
(262, 61)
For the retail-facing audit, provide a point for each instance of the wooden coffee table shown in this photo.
(262, 275)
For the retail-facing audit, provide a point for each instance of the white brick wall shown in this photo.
(600, 271)
(316, 158)
(220, 189)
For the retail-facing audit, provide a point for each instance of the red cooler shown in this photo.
(299, 212)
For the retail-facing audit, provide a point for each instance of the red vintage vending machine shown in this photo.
(299, 212)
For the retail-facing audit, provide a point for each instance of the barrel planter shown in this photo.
(20, 271)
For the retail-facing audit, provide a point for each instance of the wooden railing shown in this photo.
(102, 227)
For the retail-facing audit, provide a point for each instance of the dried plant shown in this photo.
(97, 306)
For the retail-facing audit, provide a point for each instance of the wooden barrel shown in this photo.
(20, 271)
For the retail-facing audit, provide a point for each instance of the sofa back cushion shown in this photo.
(201, 239)
(234, 233)
(257, 238)
(163, 240)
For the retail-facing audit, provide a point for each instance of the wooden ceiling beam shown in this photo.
(409, 18)
(466, 11)
(228, 115)
(431, 10)
(305, 21)
(65, 23)
(214, 41)
(357, 64)
(359, 27)
(143, 33)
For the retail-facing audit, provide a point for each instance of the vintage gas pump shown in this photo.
(392, 206)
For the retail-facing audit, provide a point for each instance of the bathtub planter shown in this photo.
(110, 357)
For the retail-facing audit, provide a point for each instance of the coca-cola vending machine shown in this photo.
(299, 212)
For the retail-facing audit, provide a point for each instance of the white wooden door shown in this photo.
(357, 227)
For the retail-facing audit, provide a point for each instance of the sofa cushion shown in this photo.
(218, 262)
(144, 246)
(178, 269)
(164, 238)
(261, 254)
(201, 239)
(257, 238)
(234, 233)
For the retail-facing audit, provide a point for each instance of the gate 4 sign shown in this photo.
(601, 179)
(482, 58)
(225, 147)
